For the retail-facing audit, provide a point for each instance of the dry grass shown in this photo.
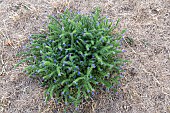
(145, 88)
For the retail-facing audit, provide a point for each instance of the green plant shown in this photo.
(77, 58)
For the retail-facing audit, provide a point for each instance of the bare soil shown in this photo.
(145, 87)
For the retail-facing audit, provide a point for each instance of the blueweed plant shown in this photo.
(76, 58)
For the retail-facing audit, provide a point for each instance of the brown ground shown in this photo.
(146, 86)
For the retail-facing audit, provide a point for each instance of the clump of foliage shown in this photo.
(76, 58)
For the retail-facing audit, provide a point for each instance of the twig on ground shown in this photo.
(129, 46)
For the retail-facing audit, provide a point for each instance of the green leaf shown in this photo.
(48, 63)
(78, 94)
(64, 81)
(58, 70)
(87, 47)
(123, 31)
(52, 90)
(92, 42)
(49, 48)
(78, 79)
(89, 85)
